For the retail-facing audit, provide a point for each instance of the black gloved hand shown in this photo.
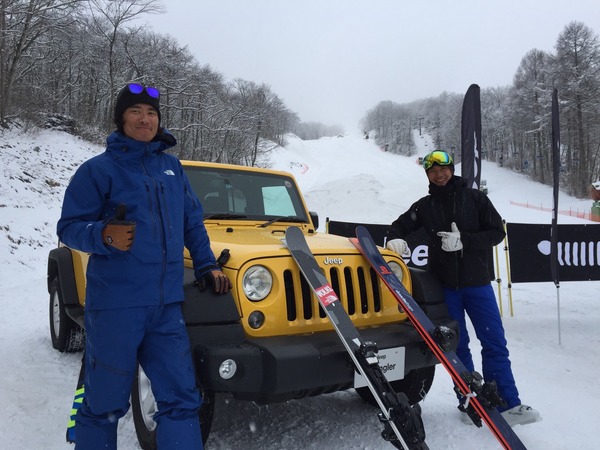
(217, 279)
(118, 232)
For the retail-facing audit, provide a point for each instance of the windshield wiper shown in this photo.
(282, 219)
(225, 216)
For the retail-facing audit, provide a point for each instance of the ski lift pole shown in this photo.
(510, 302)
(499, 281)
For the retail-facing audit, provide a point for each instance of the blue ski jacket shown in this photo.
(167, 213)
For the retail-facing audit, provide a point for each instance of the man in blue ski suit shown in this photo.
(463, 226)
(133, 210)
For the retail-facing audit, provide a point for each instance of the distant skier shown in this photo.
(459, 260)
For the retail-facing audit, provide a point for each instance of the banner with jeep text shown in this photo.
(529, 246)
(417, 242)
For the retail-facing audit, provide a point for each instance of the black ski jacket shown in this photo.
(479, 224)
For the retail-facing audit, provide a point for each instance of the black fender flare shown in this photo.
(428, 293)
(206, 307)
(60, 264)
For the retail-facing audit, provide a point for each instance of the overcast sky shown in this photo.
(332, 60)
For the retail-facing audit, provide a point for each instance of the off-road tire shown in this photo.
(67, 336)
(143, 407)
(415, 385)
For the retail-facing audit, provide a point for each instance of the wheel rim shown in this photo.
(147, 401)
(55, 313)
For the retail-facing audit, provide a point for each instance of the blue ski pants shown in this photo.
(480, 304)
(116, 339)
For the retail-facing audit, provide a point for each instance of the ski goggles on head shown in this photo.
(438, 157)
(135, 88)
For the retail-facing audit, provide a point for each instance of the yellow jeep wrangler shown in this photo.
(269, 340)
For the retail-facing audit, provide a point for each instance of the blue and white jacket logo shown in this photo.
(169, 172)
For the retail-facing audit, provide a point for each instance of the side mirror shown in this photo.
(314, 217)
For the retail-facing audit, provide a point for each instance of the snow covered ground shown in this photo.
(346, 178)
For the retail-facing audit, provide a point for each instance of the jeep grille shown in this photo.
(357, 288)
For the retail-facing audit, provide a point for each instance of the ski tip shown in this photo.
(293, 231)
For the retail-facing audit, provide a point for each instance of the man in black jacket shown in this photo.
(463, 226)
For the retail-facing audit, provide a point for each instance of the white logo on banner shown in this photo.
(574, 253)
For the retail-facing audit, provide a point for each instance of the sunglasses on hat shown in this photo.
(135, 88)
(438, 157)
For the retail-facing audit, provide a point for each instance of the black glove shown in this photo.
(217, 279)
(118, 232)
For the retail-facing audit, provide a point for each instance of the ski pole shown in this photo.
(499, 281)
(510, 303)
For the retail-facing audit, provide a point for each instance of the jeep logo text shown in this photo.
(333, 261)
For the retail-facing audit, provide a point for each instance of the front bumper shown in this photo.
(281, 368)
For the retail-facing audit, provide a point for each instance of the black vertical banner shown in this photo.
(556, 175)
(470, 131)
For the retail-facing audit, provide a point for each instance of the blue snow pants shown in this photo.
(116, 339)
(480, 304)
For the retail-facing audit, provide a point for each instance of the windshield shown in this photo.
(239, 194)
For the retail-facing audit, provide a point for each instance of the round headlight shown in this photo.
(396, 268)
(257, 283)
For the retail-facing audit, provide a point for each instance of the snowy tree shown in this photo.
(107, 20)
(23, 23)
(531, 101)
(392, 124)
(577, 74)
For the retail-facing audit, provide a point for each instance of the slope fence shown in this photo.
(586, 215)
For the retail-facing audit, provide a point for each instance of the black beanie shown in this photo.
(126, 98)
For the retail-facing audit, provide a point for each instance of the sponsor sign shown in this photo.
(577, 252)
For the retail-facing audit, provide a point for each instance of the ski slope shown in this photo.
(345, 178)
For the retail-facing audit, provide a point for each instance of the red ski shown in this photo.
(481, 399)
